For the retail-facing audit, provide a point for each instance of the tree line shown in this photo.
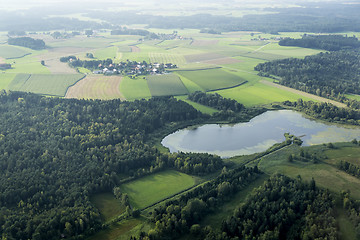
(329, 74)
(28, 42)
(55, 153)
(325, 42)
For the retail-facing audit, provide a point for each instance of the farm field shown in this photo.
(134, 88)
(212, 79)
(53, 85)
(5, 79)
(150, 189)
(11, 52)
(165, 85)
(198, 106)
(96, 87)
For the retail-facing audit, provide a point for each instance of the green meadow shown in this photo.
(165, 85)
(150, 189)
(134, 88)
(108, 205)
(54, 85)
(5, 79)
(10, 52)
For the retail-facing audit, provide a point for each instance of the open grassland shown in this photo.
(96, 87)
(105, 53)
(212, 79)
(10, 52)
(325, 175)
(198, 106)
(349, 154)
(153, 188)
(54, 85)
(134, 88)
(177, 59)
(108, 205)
(5, 79)
(166, 85)
(190, 85)
(203, 57)
(257, 93)
(84, 42)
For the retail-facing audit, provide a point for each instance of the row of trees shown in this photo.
(55, 153)
(349, 168)
(325, 42)
(28, 42)
(216, 101)
(324, 74)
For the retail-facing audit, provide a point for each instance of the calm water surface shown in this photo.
(257, 135)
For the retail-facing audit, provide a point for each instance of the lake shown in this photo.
(257, 135)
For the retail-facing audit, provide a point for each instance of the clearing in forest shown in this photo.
(153, 188)
(96, 87)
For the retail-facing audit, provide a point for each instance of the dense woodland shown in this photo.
(55, 153)
(216, 101)
(35, 44)
(284, 208)
(325, 42)
(326, 111)
(329, 74)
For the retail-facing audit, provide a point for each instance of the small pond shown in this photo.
(257, 135)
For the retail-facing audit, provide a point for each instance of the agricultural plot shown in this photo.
(153, 188)
(11, 52)
(54, 85)
(108, 205)
(213, 79)
(200, 43)
(166, 85)
(104, 53)
(177, 59)
(134, 88)
(203, 57)
(198, 106)
(96, 87)
(5, 80)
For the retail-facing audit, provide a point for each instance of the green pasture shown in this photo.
(190, 85)
(47, 84)
(212, 79)
(108, 206)
(325, 175)
(256, 93)
(353, 96)
(167, 58)
(104, 53)
(166, 85)
(134, 88)
(150, 189)
(203, 57)
(5, 79)
(83, 42)
(349, 154)
(9, 52)
(198, 106)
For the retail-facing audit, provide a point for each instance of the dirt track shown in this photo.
(96, 87)
(308, 95)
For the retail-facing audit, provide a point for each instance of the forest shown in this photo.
(329, 74)
(28, 42)
(55, 153)
(325, 42)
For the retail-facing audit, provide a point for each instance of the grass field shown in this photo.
(105, 53)
(9, 52)
(325, 175)
(177, 59)
(349, 154)
(198, 106)
(150, 189)
(54, 85)
(108, 205)
(212, 79)
(134, 88)
(166, 85)
(5, 79)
